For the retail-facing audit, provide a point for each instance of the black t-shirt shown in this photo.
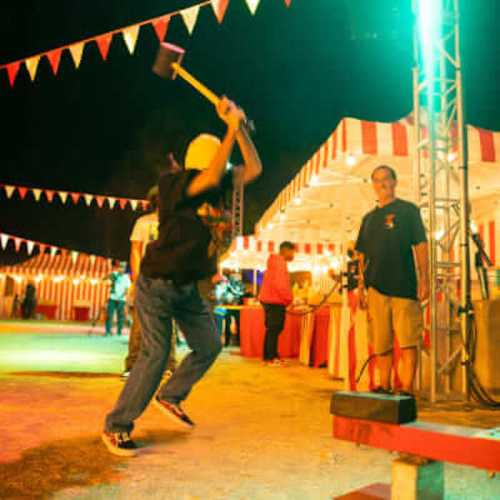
(183, 251)
(386, 238)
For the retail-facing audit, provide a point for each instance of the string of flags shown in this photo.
(30, 245)
(129, 34)
(64, 196)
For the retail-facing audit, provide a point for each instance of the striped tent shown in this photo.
(62, 281)
(331, 192)
(247, 252)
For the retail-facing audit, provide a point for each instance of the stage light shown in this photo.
(351, 160)
(429, 25)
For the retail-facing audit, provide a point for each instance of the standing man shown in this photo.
(145, 231)
(120, 283)
(392, 237)
(275, 296)
(184, 253)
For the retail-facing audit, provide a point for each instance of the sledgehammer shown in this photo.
(168, 66)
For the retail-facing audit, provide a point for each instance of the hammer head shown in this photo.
(167, 55)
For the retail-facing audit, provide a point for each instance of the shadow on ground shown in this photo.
(46, 470)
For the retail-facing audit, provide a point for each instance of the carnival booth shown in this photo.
(326, 200)
(68, 287)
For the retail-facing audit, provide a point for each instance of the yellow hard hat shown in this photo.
(201, 152)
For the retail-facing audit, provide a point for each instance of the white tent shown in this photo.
(326, 200)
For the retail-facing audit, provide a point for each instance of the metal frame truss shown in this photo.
(441, 188)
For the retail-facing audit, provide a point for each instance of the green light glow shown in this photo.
(429, 25)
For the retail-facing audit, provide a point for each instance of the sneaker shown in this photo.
(125, 374)
(174, 412)
(276, 362)
(119, 443)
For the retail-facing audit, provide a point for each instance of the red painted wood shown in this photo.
(376, 491)
(453, 444)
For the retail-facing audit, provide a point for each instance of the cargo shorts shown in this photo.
(393, 315)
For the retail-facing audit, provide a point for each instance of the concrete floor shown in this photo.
(262, 433)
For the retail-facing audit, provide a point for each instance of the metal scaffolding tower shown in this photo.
(237, 208)
(441, 188)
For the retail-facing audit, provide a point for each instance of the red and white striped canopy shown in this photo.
(331, 192)
(63, 281)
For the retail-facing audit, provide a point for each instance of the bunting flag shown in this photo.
(130, 36)
(190, 16)
(75, 197)
(252, 5)
(220, 7)
(63, 195)
(161, 26)
(31, 244)
(103, 43)
(12, 71)
(76, 51)
(32, 66)
(54, 57)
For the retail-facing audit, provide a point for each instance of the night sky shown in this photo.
(107, 127)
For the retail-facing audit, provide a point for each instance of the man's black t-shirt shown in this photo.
(386, 238)
(183, 250)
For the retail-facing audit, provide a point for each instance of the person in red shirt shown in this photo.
(275, 296)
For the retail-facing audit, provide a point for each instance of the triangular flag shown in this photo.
(220, 7)
(32, 66)
(92, 259)
(76, 51)
(111, 201)
(88, 199)
(103, 42)
(145, 204)
(252, 5)
(133, 204)
(53, 251)
(161, 26)
(22, 192)
(37, 193)
(17, 243)
(54, 57)
(12, 71)
(190, 17)
(63, 195)
(130, 36)
(9, 190)
(100, 201)
(4, 239)
(29, 245)
(75, 197)
(49, 194)
(42, 248)
(74, 256)
(123, 203)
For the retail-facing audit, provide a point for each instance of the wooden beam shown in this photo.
(446, 443)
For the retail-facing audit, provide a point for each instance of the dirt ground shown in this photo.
(262, 433)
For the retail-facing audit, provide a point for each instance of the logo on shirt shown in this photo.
(389, 221)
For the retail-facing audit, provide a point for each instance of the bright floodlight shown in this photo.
(429, 25)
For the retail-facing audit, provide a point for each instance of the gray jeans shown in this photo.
(157, 302)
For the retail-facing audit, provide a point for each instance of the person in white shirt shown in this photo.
(145, 230)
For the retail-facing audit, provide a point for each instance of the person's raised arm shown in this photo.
(252, 166)
(211, 177)
(135, 258)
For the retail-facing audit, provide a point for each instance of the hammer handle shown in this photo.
(203, 89)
